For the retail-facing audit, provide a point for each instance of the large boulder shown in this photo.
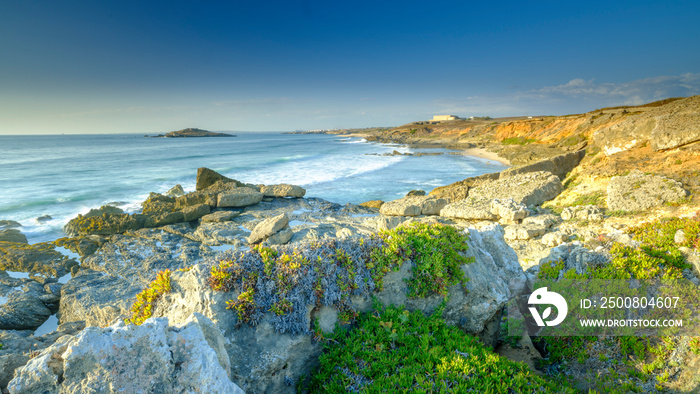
(283, 190)
(176, 191)
(152, 357)
(207, 177)
(413, 206)
(12, 235)
(239, 197)
(460, 190)
(24, 303)
(109, 279)
(268, 228)
(638, 191)
(532, 188)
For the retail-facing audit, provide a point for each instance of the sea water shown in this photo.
(64, 175)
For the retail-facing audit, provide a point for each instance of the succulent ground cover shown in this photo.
(392, 350)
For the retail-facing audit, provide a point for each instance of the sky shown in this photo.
(156, 66)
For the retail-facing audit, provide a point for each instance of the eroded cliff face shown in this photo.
(661, 137)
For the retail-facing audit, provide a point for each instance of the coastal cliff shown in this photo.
(238, 286)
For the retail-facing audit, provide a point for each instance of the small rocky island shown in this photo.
(193, 132)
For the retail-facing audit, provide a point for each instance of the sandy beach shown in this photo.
(483, 153)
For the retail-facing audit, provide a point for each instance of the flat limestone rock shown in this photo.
(239, 197)
(638, 191)
(283, 190)
(219, 216)
(413, 206)
(469, 209)
(532, 188)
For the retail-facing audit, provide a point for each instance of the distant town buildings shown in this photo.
(440, 118)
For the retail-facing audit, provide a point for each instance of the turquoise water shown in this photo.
(64, 175)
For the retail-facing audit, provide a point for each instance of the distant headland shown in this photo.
(192, 133)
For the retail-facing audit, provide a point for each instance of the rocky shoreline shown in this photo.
(233, 284)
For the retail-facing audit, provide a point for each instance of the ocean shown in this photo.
(64, 175)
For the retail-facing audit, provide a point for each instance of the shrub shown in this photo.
(142, 309)
(393, 350)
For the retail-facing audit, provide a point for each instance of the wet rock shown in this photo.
(41, 260)
(43, 219)
(267, 228)
(638, 191)
(104, 224)
(176, 191)
(172, 359)
(283, 190)
(219, 216)
(105, 209)
(12, 235)
(239, 197)
(532, 188)
(415, 193)
(9, 224)
(83, 246)
(207, 177)
(24, 304)
(372, 204)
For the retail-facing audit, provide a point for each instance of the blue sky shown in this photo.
(157, 66)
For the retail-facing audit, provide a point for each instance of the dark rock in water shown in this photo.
(40, 259)
(26, 305)
(9, 224)
(105, 224)
(12, 235)
(193, 133)
(372, 204)
(415, 193)
(43, 218)
(207, 177)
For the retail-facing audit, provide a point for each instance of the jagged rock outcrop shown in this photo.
(638, 191)
(207, 177)
(152, 357)
(583, 212)
(263, 359)
(105, 286)
(175, 191)
(460, 190)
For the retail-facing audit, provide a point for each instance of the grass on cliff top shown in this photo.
(393, 350)
(517, 141)
(634, 364)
